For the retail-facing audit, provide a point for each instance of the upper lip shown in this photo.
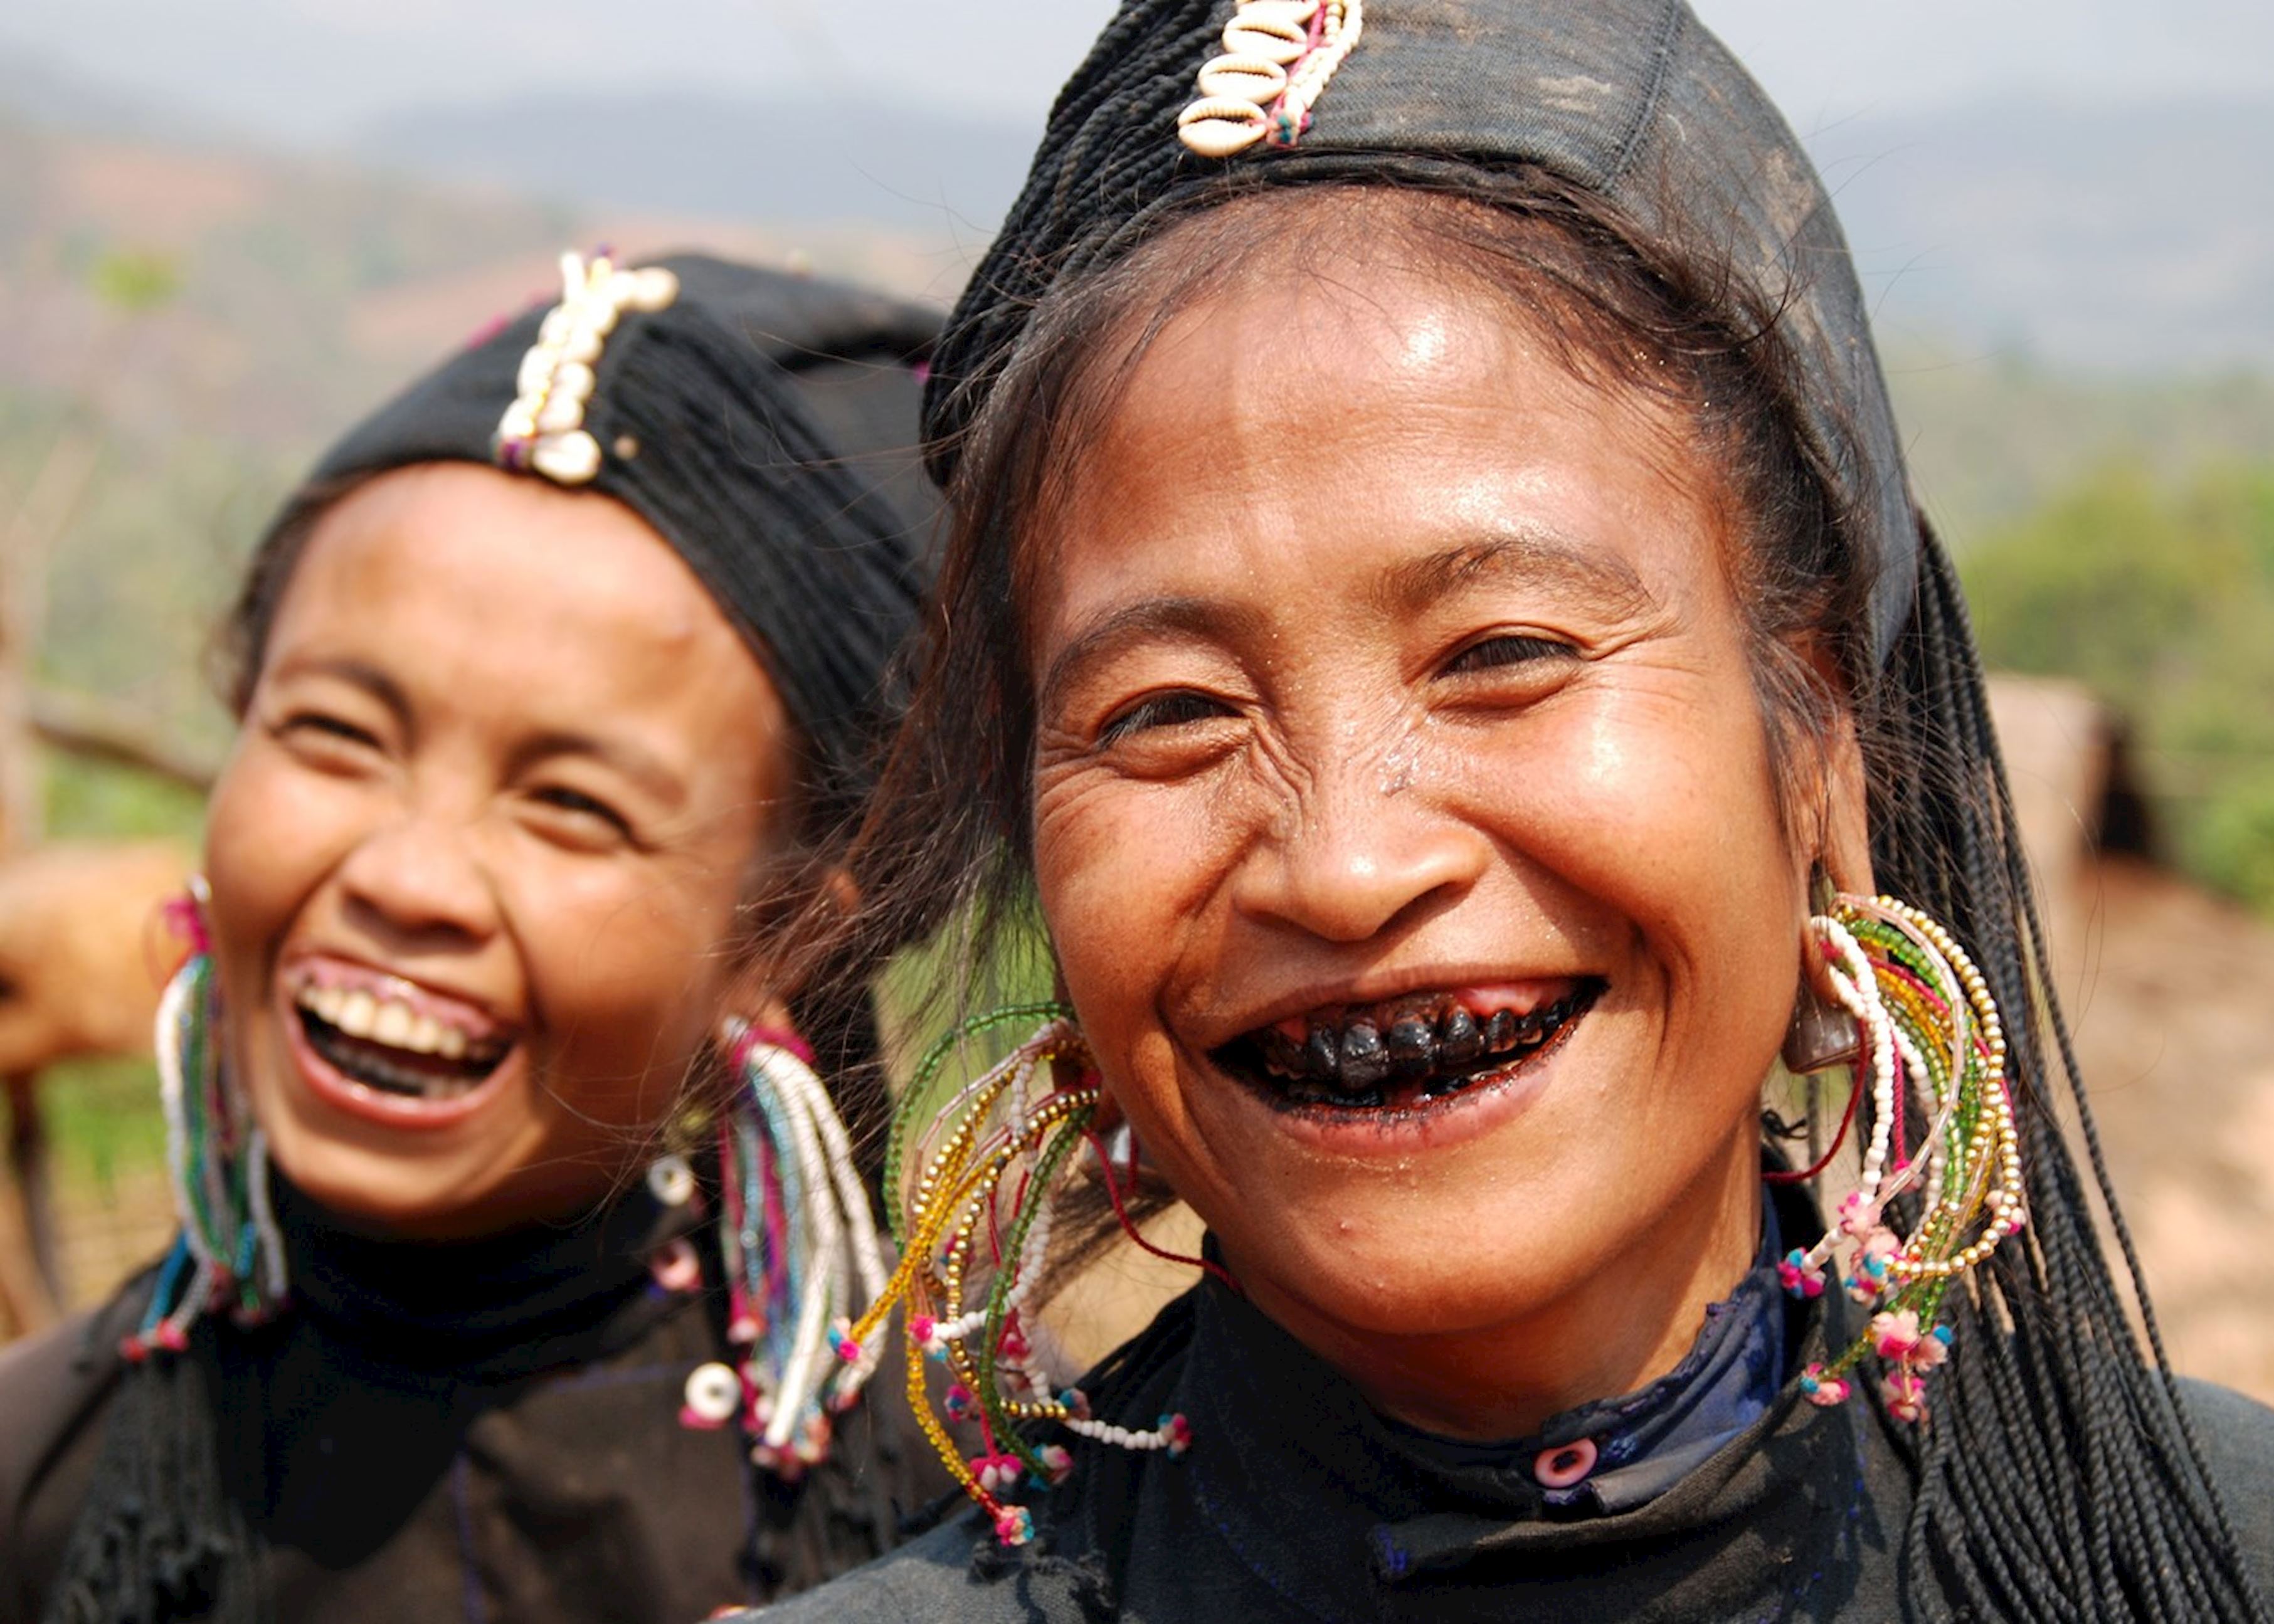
(1374, 987)
(308, 962)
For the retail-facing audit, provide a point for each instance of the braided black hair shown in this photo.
(2061, 1475)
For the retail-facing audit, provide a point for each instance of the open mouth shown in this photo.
(1408, 1051)
(398, 1042)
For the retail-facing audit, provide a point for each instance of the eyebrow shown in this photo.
(356, 674)
(1539, 557)
(1184, 620)
(642, 767)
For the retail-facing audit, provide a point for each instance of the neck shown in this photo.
(1631, 1318)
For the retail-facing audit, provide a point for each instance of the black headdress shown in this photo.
(763, 424)
(1631, 98)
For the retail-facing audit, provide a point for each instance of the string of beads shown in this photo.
(1932, 1042)
(799, 1249)
(226, 1253)
(973, 1227)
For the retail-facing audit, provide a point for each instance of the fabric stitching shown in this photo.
(1662, 66)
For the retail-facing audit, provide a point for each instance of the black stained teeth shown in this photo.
(1461, 1041)
(1281, 1054)
(1321, 1056)
(1500, 1031)
(1412, 1047)
(1364, 1061)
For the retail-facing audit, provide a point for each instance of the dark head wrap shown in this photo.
(764, 425)
(1631, 98)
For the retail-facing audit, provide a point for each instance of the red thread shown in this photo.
(1113, 1194)
(1855, 1093)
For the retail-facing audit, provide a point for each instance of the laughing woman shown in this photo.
(1437, 627)
(510, 1233)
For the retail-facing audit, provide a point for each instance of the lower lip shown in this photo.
(344, 1094)
(1447, 1120)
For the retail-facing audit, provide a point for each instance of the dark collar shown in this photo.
(504, 1306)
(1295, 1481)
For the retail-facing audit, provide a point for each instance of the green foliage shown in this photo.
(2159, 594)
(103, 1122)
(135, 280)
(98, 801)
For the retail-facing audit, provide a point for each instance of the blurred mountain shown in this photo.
(782, 159)
(2124, 237)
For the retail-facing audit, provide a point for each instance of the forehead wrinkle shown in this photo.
(1534, 554)
(1165, 619)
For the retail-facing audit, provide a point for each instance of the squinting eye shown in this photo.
(576, 800)
(1512, 650)
(326, 728)
(1178, 709)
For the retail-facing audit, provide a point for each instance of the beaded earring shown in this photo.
(1930, 1042)
(973, 1227)
(226, 1253)
(797, 1245)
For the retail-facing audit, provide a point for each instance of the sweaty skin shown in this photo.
(506, 756)
(1377, 654)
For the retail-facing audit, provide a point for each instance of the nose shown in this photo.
(418, 883)
(1356, 858)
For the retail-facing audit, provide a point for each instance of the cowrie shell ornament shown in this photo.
(1277, 56)
(544, 431)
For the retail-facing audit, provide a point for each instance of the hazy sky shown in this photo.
(314, 69)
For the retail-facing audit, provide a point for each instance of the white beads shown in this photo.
(713, 1393)
(671, 1181)
(544, 429)
(1277, 56)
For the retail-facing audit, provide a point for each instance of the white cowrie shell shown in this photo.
(713, 1392)
(536, 371)
(1216, 127)
(672, 1182)
(559, 415)
(573, 458)
(1243, 78)
(554, 327)
(576, 380)
(650, 289)
(583, 344)
(1276, 43)
(1291, 13)
(518, 422)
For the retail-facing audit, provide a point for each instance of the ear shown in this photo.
(1844, 841)
(1840, 840)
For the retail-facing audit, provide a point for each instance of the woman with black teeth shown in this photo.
(1436, 628)
(513, 1205)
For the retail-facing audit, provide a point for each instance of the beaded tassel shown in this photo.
(1933, 1043)
(800, 1252)
(226, 1253)
(973, 1227)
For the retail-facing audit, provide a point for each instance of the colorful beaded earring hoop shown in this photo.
(1934, 1052)
(227, 1254)
(972, 1189)
(798, 1248)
